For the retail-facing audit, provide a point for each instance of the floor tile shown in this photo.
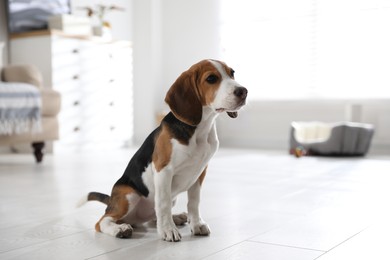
(253, 250)
(371, 243)
(321, 230)
(27, 235)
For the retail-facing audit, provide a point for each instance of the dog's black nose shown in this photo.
(240, 92)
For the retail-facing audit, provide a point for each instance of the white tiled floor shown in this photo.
(259, 205)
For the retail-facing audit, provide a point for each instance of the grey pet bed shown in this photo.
(343, 138)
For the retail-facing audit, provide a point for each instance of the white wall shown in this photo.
(147, 68)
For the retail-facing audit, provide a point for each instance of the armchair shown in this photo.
(51, 102)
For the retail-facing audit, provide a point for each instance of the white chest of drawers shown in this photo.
(95, 80)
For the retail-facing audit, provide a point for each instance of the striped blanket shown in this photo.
(20, 108)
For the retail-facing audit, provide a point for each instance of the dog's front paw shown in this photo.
(170, 234)
(124, 231)
(200, 229)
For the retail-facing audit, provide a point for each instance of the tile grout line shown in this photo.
(256, 242)
(245, 240)
(339, 244)
(249, 240)
(223, 249)
(297, 247)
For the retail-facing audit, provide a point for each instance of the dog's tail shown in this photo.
(97, 196)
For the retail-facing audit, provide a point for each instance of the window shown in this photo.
(286, 49)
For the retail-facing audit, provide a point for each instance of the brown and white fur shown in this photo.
(174, 157)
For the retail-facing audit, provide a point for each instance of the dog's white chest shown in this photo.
(189, 161)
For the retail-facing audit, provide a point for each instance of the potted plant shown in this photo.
(98, 12)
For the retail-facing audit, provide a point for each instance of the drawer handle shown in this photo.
(75, 51)
(76, 103)
(76, 129)
(76, 77)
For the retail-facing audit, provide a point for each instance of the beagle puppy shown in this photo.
(174, 157)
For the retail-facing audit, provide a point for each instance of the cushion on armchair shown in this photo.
(22, 73)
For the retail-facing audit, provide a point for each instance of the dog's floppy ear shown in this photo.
(233, 114)
(183, 100)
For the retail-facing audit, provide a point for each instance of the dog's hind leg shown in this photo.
(123, 200)
(180, 219)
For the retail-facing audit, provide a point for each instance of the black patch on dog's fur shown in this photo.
(180, 130)
(143, 157)
(137, 165)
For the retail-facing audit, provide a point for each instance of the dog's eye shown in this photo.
(232, 73)
(212, 79)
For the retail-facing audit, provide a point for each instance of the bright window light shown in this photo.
(283, 49)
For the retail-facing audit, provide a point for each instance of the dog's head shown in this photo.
(208, 83)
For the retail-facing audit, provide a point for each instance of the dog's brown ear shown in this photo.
(233, 114)
(183, 99)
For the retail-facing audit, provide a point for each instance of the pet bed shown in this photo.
(342, 138)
